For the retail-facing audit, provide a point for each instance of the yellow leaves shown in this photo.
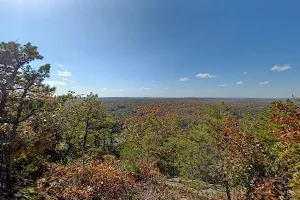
(295, 184)
(110, 160)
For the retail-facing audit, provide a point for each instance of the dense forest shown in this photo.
(81, 147)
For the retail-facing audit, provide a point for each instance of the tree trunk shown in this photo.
(3, 99)
(5, 167)
(225, 179)
(3, 153)
(85, 136)
(9, 159)
(227, 188)
(9, 167)
(104, 144)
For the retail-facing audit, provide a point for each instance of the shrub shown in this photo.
(147, 170)
(90, 179)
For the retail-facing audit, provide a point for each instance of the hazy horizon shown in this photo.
(187, 97)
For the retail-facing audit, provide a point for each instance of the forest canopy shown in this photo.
(79, 147)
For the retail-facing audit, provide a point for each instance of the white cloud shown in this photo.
(282, 68)
(55, 83)
(64, 73)
(143, 88)
(205, 75)
(222, 85)
(264, 83)
(65, 79)
(239, 83)
(244, 73)
(104, 89)
(184, 79)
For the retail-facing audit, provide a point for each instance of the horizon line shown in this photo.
(203, 97)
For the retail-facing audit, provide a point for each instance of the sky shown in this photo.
(162, 48)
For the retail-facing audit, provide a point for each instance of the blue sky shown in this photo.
(156, 48)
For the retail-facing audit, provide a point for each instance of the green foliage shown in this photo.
(22, 96)
(63, 142)
(196, 155)
(146, 135)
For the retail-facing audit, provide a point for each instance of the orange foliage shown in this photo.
(246, 152)
(242, 149)
(87, 180)
(241, 146)
(288, 117)
(272, 189)
(147, 170)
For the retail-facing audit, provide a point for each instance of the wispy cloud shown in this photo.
(184, 79)
(264, 83)
(205, 75)
(60, 65)
(244, 73)
(239, 82)
(104, 89)
(143, 88)
(280, 68)
(55, 83)
(64, 73)
(222, 85)
(65, 79)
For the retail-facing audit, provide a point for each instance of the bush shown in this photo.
(88, 179)
(147, 170)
